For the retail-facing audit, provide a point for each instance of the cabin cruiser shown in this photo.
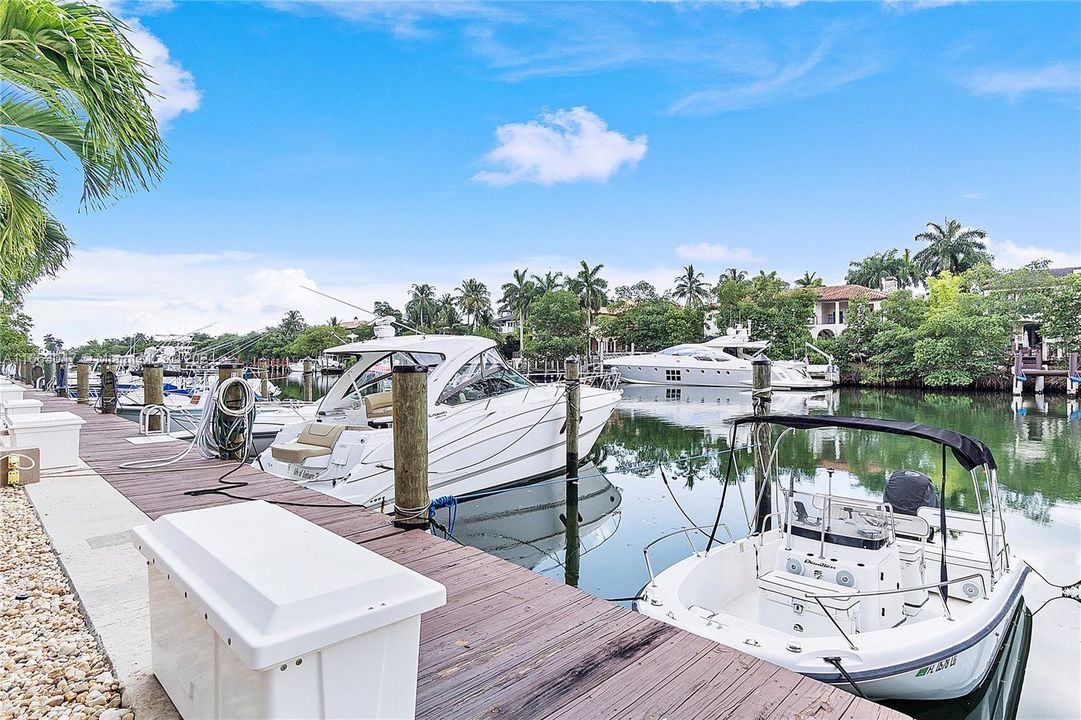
(894, 599)
(725, 361)
(487, 425)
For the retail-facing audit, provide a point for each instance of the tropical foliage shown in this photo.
(951, 247)
(590, 288)
(556, 327)
(72, 82)
(691, 287)
(653, 325)
(873, 269)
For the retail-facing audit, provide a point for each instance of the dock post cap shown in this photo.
(760, 361)
(572, 359)
(229, 365)
(410, 369)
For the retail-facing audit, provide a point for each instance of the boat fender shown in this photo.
(794, 566)
(845, 578)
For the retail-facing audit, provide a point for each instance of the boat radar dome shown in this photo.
(384, 326)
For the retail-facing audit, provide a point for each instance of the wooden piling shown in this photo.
(264, 384)
(409, 384)
(234, 397)
(82, 383)
(308, 381)
(572, 556)
(761, 396)
(108, 388)
(153, 393)
(50, 373)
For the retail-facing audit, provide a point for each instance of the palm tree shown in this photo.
(952, 247)
(333, 321)
(733, 275)
(474, 299)
(870, 271)
(590, 287)
(551, 281)
(447, 312)
(691, 287)
(517, 297)
(73, 81)
(809, 280)
(292, 323)
(422, 302)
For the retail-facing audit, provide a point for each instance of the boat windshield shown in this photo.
(483, 376)
(377, 376)
(697, 352)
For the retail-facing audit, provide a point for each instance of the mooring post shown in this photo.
(108, 388)
(572, 559)
(409, 385)
(82, 383)
(50, 374)
(1073, 376)
(761, 395)
(234, 397)
(153, 393)
(308, 382)
(1018, 374)
(264, 384)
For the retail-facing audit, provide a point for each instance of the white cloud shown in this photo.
(405, 20)
(715, 252)
(1057, 78)
(174, 86)
(564, 146)
(1009, 254)
(972, 196)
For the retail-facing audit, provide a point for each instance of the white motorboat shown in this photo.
(487, 425)
(725, 361)
(323, 364)
(890, 599)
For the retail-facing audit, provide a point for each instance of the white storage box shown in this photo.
(258, 613)
(786, 604)
(27, 406)
(56, 434)
(9, 393)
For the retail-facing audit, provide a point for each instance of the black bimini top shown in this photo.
(969, 451)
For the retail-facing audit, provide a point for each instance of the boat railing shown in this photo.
(687, 533)
(940, 587)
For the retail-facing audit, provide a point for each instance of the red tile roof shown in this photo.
(848, 292)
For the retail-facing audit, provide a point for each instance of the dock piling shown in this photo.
(308, 381)
(264, 376)
(153, 393)
(572, 561)
(761, 395)
(410, 416)
(108, 388)
(234, 396)
(1073, 376)
(82, 383)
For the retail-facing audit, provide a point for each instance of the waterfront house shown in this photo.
(831, 306)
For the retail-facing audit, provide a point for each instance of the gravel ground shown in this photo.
(50, 664)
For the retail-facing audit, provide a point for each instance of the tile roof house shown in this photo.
(832, 305)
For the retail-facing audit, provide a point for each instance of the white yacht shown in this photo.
(892, 600)
(487, 425)
(724, 361)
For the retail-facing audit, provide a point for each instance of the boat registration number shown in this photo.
(937, 667)
(302, 474)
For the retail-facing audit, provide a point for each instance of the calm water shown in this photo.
(625, 502)
(639, 471)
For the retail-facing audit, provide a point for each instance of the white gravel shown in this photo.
(50, 663)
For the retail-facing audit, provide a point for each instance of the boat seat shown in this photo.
(379, 405)
(315, 440)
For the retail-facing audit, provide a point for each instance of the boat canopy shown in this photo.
(969, 451)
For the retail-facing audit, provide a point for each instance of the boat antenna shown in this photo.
(358, 307)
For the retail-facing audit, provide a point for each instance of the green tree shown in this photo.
(422, 305)
(384, 309)
(654, 325)
(734, 275)
(873, 269)
(556, 327)
(590, 288)
(312, 341)
(951, 247)
(52, 344)
(809, 280)
(291, 324)
(691, 287)
(15, 327)
(549, 281)
(517, 297)
(1063, 317)
(72, 81)
(473, 300)
(447, 314)
(641, 291)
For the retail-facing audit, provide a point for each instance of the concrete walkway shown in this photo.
(88, 522)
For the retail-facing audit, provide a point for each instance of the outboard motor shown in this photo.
(909, 490)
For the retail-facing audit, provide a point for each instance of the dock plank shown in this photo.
(509, 642)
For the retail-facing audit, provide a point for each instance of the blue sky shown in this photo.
(364, 147)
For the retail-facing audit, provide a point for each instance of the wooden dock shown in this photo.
(508, 643)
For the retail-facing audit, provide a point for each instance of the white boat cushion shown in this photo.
(315, 440)
(379, 405)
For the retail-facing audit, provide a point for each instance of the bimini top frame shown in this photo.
(971, 454)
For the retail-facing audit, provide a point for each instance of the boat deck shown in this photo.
(509, 642)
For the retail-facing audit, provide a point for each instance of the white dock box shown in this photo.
(9, 392)
(55, 433)
(27, 406)
(258, 613)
